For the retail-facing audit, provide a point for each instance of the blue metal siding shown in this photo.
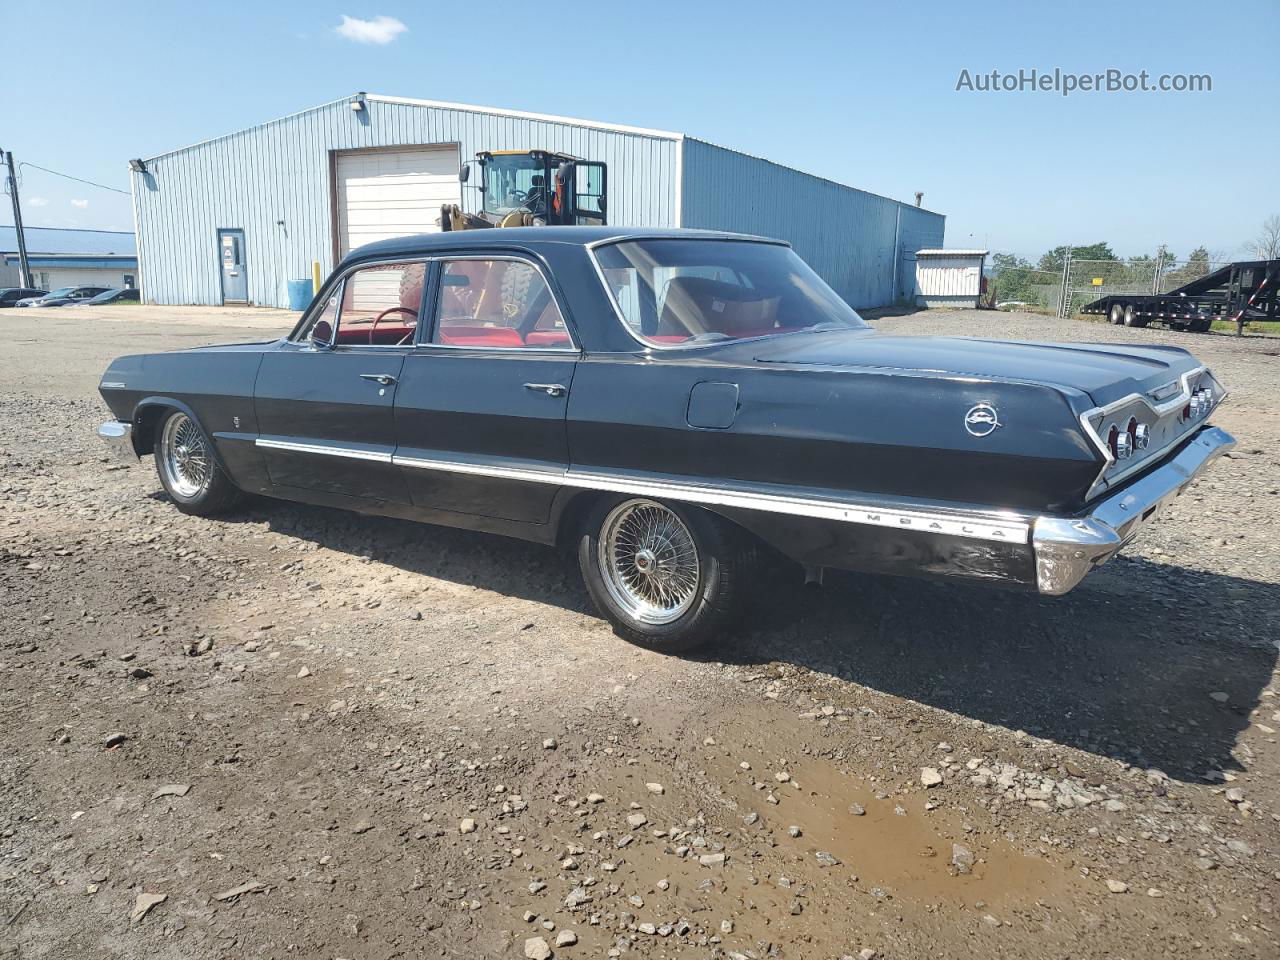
(281, 171)
(852, 238)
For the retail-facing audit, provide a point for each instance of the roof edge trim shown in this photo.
(526, 115)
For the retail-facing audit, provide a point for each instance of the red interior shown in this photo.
(455, 335)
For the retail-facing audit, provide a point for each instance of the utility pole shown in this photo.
(24, 267)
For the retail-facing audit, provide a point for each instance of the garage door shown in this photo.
(393, 193)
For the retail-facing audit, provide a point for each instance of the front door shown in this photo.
(480, 410)
(326, 417)
(235, 279)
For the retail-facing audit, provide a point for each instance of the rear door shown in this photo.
(480, 411)
(326, 416)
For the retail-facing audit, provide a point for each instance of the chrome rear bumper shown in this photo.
(118, 437)
(1067, 548)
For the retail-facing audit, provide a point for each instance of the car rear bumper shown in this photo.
(1067, 548)
(118, 437)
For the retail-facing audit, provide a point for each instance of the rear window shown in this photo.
(678, 292)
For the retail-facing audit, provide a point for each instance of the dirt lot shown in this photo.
(295, 732)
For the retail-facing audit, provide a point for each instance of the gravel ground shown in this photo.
(295, 732)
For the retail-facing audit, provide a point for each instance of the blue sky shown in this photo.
(862, 93)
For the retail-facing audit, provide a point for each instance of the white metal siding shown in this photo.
(949, 275)
(393, 193)
(70, 276)
(280, 171)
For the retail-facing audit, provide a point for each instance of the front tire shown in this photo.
(669, 578)
(188, 469)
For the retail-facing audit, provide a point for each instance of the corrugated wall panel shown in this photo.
(855, 240)
(273, 181)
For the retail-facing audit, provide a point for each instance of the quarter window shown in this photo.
(504, 304)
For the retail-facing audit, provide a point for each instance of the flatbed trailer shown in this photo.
(1239, 293)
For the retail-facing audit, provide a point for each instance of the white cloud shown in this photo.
(80, 203)
(37, 202)
(379, 30)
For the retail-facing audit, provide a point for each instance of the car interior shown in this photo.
(482, 303)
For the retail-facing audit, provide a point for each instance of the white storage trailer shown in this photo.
(949, 278)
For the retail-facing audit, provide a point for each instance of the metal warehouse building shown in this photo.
(60, 257)
(235, 218)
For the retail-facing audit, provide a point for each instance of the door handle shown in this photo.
(385, 379)
(550, 389)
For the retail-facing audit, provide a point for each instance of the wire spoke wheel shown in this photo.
(185, 457)
(648, 561)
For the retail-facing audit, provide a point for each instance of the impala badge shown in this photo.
(981, 419)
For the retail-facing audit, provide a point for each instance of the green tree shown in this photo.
(1055, 258)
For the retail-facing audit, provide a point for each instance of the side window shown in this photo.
(497, 303)
(380, 305)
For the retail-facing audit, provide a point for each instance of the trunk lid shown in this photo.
(1103, 371)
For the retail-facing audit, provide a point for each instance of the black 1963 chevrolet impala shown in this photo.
(669, 401)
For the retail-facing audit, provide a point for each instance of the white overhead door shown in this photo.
(393, 193)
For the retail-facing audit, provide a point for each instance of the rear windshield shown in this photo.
(677, 292)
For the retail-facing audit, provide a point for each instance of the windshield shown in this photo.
(514, 181)
(61, 292)
(680, 291)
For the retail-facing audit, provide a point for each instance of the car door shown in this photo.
(326, 418)
(480, 410)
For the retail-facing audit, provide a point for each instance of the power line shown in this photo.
(68, 176)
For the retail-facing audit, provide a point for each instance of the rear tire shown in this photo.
(1117, 314)
(189, 471)
(1131, 318)
(668, 577)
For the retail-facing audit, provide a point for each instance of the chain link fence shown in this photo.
(1064, 289)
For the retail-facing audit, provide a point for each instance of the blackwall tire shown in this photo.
(1117, 314)
(188, 468)
(1131, 318)
(667, 577)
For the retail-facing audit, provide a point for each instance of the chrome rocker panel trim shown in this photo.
(1067, 548)
(118, 437)
(968, 523)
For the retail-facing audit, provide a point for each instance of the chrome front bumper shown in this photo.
(1067, 548)
(118, 436)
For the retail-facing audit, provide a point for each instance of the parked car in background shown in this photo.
(9, 296)
(117, 295)
(670, 403)
(63, 296)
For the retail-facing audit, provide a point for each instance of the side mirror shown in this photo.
(322, 335)
(464, 173)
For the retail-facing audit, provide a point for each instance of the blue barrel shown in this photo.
(299, 294)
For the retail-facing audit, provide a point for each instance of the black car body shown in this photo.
(64, 296)
(9, 296)
(703, 377)
(114, 295)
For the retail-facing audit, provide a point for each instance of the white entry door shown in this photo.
(393, 193)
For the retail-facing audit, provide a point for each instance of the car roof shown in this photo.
(531, 238)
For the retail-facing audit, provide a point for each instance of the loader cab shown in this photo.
(537, 187)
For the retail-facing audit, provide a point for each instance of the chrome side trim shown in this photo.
(959, 523)
(322, 449)
(956, 524)
(1067, 548)
(530, 474)
(1160, 410)
(111, 385)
